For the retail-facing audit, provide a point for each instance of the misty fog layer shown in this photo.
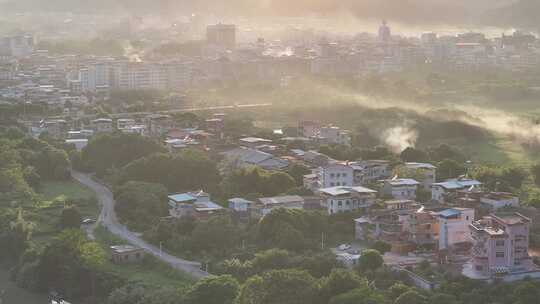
(492, 12)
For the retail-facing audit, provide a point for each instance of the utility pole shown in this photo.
(322, 240)
(160, 250)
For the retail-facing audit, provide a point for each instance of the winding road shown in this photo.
(108, 219)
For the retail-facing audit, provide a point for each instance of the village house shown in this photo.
(242, 157)
(254, 142)
(241, 208)
(428, 171)
(122, 254)
(265, 205)
(501, 247)
(335, 175)
(498, 200)
(400, 188)
(196, 204)
(443, 192)
(102, 125)
(343, 198)
(454, 227)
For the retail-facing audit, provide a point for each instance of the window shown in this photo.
(499, 254)
(499, 243)
(479, 267)
(337, 174)
(348, 203)
(332, 175)
(340, 203)
(344, 174)
(467, 217)
(332, 184)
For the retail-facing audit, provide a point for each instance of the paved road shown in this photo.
(108, 219)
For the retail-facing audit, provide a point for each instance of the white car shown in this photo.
(344, 247)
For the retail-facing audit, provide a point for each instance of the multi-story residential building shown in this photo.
(159, 125)
(428, 172)
(102, 125)
(370, 171)
(95, 78)
(443, 192)
(333, 135)
(308, 128)
(422, 227)
(343, 199)
(500, 245)
(334, 175)
(400, 188)
(454, 227)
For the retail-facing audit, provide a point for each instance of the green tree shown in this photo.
(141, 204)
(279, 287)
(116, 150)
(535, 171)
(414, 155)
(381, 246)
(70, 218)
(358, 296)
(297, 172)
(217, 236)
(449, 168)
(214, 290)
(339, 281)
(410, 297)
(397, 290)
(370, 260)
(442, 298)
(526, 292)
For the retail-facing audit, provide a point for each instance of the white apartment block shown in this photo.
(343, 199)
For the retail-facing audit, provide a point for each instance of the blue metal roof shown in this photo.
(182, 197)
(449, 213)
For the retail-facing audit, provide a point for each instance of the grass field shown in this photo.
(52, 197)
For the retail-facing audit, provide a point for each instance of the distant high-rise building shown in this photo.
(17, 46)
(223, 35)
(385, 33)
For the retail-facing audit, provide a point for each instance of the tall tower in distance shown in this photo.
(385, 34)
(223, 35)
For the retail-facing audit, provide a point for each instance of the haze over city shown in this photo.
(269, 152)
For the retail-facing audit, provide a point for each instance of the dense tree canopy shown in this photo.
(107, 151)
(141, 204)
(254, 180)
(186, 171)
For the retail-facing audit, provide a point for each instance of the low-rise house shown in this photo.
(102, 125)
(428, 171)
(343, 199)
(159, 125)
(333, 135)
(500, 246)
(442, 192)
(267, 204)
(311, 182)
(124, 123)
(135, 129)
(308, 128)
(78, 143)
(400, 188)
(196, 204)
(78, 134)
(498, 200)
(176, 144)
(254, 142)
(239, 204)
(454, 227)
(122, 254)
(252, 157)
(400, 204)
(316, 159)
